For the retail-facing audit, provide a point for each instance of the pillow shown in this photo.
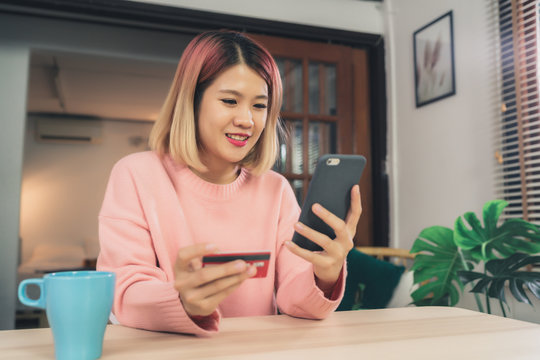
(402, 294)
(370, 282)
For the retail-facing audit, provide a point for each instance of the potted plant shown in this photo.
(484, 257)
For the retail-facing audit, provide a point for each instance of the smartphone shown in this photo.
(259, 259)
(331, 185)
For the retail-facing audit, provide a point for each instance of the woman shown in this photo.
(206, 186)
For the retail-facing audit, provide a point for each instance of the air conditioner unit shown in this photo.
(70, 131)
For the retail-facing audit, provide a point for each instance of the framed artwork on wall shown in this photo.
(433, 46)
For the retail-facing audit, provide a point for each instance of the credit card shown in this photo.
(259, 259)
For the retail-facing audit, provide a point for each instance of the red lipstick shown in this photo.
(238, 142)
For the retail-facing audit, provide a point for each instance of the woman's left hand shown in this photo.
(327, 264)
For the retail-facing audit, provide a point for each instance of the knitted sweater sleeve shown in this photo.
(297, 293)
(144, 294)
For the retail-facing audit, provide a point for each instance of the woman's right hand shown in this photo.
(202, 289)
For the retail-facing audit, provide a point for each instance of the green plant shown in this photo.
(446, 258)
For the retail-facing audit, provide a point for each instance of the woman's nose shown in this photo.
(243, 118)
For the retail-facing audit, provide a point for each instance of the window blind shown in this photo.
(518, 180)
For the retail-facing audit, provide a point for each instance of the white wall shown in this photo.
(352, 15)
(441, 160)
(63, 186)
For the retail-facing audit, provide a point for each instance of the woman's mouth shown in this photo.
(237, 139)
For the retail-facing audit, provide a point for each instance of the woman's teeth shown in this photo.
(237, 137)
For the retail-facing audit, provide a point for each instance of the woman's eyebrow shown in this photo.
(237, 93)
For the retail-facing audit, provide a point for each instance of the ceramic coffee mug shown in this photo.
(78, 304)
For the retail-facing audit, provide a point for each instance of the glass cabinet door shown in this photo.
(309, 114)
(326, 109)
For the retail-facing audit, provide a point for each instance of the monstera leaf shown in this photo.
(502, 270)
(436, 267)
(492, 242)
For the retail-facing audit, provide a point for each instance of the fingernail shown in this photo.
(240, 265)
(298, 226)
(210, 247)
(252, 271)
(317, 207)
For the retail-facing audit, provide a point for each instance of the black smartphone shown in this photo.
(331, 185)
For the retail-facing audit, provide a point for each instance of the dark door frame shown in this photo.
(187, 21)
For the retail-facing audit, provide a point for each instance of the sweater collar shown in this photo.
(182, 174)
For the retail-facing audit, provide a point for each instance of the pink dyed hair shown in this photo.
(204, 59)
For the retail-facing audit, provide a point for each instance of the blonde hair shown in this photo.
(204, 59)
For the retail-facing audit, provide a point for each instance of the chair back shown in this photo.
(393, 255)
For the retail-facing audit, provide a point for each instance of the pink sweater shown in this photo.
(153, 207)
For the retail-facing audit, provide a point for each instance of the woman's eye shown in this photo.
(229, 101)
(260, 106)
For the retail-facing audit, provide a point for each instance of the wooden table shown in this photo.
(404, 333)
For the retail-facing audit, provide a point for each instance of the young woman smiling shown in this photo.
(207, 186)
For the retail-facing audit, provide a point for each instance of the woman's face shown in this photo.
(232, 116)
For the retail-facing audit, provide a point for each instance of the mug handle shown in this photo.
(40, 302)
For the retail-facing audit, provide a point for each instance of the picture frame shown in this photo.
(434, 70)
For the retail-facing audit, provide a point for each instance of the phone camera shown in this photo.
(332, 162)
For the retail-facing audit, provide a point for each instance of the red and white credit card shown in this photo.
(259, 259)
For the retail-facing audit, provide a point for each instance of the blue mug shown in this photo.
(78, 304)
